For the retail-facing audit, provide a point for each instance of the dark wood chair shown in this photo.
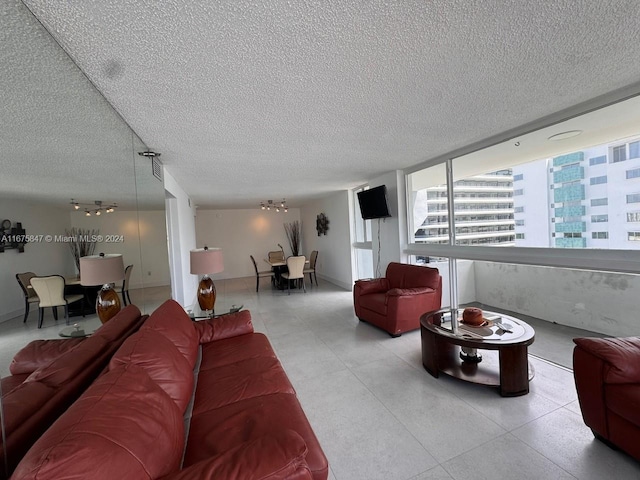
(30, 295)
(311, 269)
(260, 274)
(124, 290)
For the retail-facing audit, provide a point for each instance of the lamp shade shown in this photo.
(206, 260)
(101, 269)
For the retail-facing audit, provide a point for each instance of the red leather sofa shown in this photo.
(607, 376)
(184, 400)
(396, 301)
(49, 375)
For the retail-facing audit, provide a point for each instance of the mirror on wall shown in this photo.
(62, 144)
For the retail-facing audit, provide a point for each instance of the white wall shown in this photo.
(181, 233)
(144, 242)
(334, 248)
(42, 258)
(245, 232)
(241, 233)
(597, 301)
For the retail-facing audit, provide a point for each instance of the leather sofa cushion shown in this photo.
(145, 442)
(224, 326)
(280, 455)
(376, 302)
(69, 365)
(231, 350)
(12, 381)
(172, 321)
(118, 326)
(39, 353)
(24, 400)
(624, 400)
(238, 381)
(217, 431)
(162, 361)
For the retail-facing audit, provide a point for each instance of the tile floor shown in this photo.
(379, 415)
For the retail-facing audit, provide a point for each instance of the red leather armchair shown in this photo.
(607, 376)
(396, 301)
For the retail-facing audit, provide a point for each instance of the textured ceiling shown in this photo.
(253, 100)
(59, 138)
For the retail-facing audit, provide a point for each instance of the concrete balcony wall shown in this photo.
(597, 301)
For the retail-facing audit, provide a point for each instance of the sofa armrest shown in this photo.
(398, 292)
(277, 456)
(39, 353)
(375, 285)
(224, 326)
(620, 357)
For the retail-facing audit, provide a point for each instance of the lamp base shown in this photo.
(206, 294)
(107, 303)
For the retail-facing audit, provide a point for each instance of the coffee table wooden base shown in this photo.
(505, 366)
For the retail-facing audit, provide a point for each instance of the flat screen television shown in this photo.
(373, 203)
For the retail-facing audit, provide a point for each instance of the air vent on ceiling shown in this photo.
(156, 166)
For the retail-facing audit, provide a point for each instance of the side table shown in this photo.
(74, 331)
(195, 313)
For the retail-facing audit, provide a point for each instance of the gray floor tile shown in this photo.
(436, 473)
(443, 423)
(505, 458)
(563, 438)
(360, 436)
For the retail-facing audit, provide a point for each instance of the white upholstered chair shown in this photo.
(276, 256)
(295, 265)
(50, 290)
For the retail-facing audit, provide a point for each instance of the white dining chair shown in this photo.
(295, 265)
(50, 290)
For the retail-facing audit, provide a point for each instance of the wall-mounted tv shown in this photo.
(373, 203)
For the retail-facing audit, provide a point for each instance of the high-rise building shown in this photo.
(483, 207)
(584, 199)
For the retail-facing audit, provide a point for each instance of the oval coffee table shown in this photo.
(503, 364)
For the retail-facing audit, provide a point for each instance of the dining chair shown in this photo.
(50, 290)
(311, 269)
(260, 274)
(124, 290)
(30, 296)
(295, 265)
(276, 255)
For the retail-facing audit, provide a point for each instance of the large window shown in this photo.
(565, 216)
(556, 216)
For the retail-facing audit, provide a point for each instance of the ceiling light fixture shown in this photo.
(564, 135)
(96, 207)
(268, 205)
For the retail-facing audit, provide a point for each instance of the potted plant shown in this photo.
(294, 234)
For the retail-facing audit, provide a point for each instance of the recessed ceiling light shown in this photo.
(564, 135)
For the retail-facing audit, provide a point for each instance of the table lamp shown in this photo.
(205, 261)
(103, 270)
